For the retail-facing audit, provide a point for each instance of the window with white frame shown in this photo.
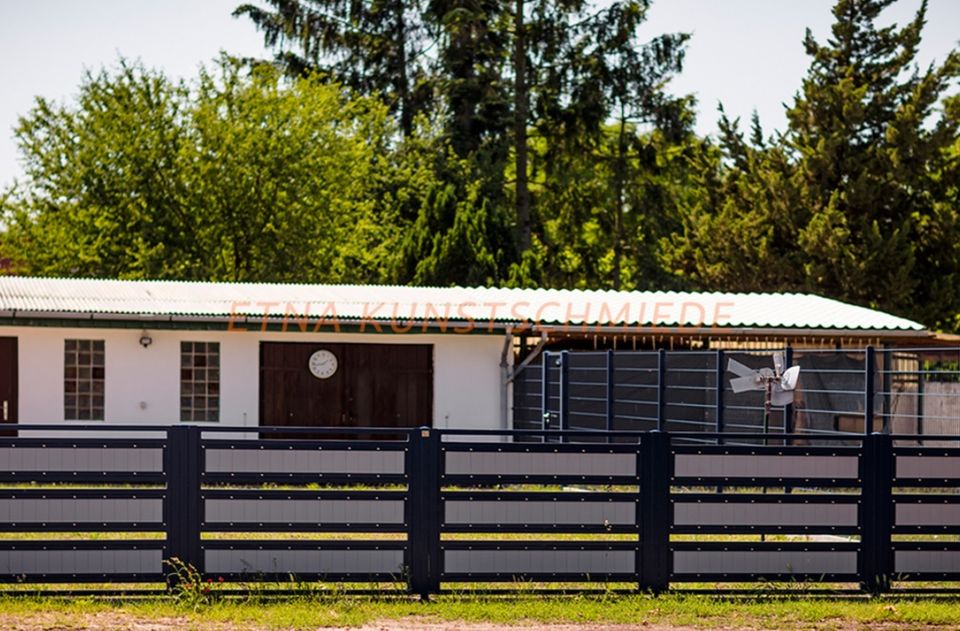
(83, 380)
(199, 381)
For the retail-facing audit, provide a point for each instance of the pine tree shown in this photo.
(371, 47)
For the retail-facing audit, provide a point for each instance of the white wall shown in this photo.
(143, 384)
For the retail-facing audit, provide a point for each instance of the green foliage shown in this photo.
(858, 198)
(374, 48)
(510, 142)
(243, 176)
(497, 71)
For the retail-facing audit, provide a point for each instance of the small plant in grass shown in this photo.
(188, 585)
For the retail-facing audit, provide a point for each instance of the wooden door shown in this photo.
(8, 382)
(375, 385)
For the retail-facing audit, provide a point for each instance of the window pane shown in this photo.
(199, 381)
(83, 380)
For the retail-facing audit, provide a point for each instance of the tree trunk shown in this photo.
(620, 168)
(403, 82)
(521, 105)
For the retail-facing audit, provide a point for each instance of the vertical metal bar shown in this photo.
(869, 370)
(876, 563)
(718, 385)
(611, 391)
(921, 379)
(887, 381)
(564, 392)
(661, 389)
(182, 504)
(544, 393)
(788, 409)
(654, 469)
(423, 511)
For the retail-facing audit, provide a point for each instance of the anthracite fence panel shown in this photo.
(439, 508)
(842, 392)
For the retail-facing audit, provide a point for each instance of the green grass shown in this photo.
(333, 610)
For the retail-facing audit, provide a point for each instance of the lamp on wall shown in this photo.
(145, 339)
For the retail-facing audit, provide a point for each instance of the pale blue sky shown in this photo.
(745, 53)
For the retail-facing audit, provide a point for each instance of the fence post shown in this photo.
(718, 412)
(182, 508)
(788, 409)
(544, 394)
(564, 393)
(611, 391)
(869, 389)
(876, 513)
(920, 395)
(661, 389)
(423, 511)
(654, 468)
(886, 412)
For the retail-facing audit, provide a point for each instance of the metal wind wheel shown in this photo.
(780, 385)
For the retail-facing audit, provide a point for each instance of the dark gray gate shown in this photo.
(442, 507)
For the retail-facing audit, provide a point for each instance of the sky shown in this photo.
(747, 54)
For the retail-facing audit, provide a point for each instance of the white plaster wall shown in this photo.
(143, 384)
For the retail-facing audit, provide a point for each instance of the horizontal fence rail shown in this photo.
(430, 508)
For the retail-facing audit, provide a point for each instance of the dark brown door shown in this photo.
(375, 385)
(8, 382)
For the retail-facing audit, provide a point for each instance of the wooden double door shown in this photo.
(374, 385)
(8, 383)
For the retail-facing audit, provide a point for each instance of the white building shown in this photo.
(159, 352)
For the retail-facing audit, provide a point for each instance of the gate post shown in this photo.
(876, 513)
(423, 511)
(654, 468)
(182, 506)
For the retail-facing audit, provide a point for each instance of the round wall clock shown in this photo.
(323, 364)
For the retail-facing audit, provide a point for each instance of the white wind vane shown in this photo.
(780, 385)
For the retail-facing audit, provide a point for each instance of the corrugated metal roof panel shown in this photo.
(477, 304)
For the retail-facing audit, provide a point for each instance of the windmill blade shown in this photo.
(790, 378)
(739, 369)
(781, 397)
(743, 384)
(778, 363)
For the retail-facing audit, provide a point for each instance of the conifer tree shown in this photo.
(857, 199)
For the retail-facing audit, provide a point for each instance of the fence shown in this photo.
(841, 392)
(433, 510)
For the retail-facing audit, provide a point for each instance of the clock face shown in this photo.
(323, 364)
